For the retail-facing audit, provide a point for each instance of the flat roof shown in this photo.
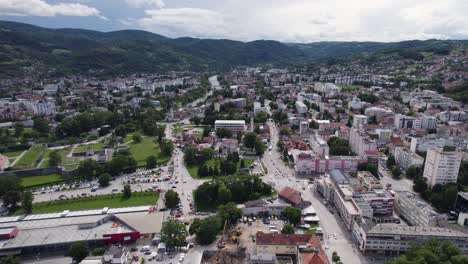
(240, 122)
(67, 230)
(393, 229)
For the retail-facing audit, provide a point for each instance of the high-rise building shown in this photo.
(359, 120)
(442, 166)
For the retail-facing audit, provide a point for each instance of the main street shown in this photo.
(281, 175)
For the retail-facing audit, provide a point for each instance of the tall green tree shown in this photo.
(173, 234)
(78, 251)
(208, 230)
(249, 140)
(127, 191)
(229, 212)
(151, 162)
(292, 214)
(54, 158)
(104, 179)
(287, 229)
(27, 202)
(171, 199)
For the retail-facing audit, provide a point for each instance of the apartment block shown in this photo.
(442, 166)
(405, 158)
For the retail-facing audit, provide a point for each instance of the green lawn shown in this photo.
(349, 87)
(140, 151)
(13, 154)
(40, 179)
(31, 155)
(312, 229)
(97, 202)
(83, 148)
(62, 152)
(193, 170)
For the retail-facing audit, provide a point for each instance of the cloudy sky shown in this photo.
(283, 20)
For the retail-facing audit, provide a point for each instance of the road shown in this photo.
(397, 185)
(184, 186)
(281, 175)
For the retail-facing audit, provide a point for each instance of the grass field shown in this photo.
(349, 87)
(193, 170)
(96, 202)
(40, 179)
(140, 151)
(83, 148)
(62, 152)
(30, 157)
(13, 154)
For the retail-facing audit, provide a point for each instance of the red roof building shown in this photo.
(291, 196)
(306, 247)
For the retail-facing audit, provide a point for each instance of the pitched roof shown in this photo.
(290, 195)
(314, 258)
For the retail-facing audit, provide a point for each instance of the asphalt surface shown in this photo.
(280, 175)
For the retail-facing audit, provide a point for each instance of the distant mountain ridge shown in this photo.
(80, 51)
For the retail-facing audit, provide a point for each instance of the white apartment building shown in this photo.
(258, 108)
(405, 158)
(346, 206)
(301, 108)
(442, 166)
(378, 112)
(359, 120)
(402, 121)
(447, 116)
(356, 104)
(425, 143)
(425, 122)
(327, 88)
(360, 142)
(319, 146)
(235, 126)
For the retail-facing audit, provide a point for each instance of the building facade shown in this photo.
(441, 166)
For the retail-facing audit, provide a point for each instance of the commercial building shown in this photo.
(311, 165)
(235, 126)
(405, 158)
(442, 166)
(461, 208)
(394, 239)
(261, 207)
(380, 201)
(415, 211)
(55, 232)
(368, 182)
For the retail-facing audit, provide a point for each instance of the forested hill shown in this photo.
(26, 49)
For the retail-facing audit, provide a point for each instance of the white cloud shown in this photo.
(42, 8)
(176, 22)
(312, 20)
(146, 3)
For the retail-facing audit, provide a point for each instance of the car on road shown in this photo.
(335, 236)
